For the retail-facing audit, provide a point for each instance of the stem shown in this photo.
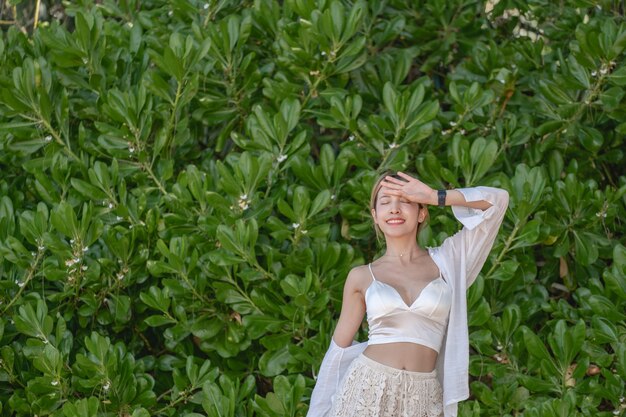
(244, 294)
(317, 81)
(145, 340)
(193, 290)
(148, 169)
(36, 18)
(54, 133)
(31, 274)
(163, 394)
(588, 98)
(183, 397)
(504, 250)
(232, 281)
(171, 124)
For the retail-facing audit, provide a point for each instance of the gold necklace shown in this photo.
(401, 255)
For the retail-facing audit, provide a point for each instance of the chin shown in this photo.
(399, 231)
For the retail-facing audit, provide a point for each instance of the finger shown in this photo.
(406, 176)
(391, 185)
(394, 180)
(391, 192)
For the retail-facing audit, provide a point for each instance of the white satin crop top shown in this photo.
(391, 320)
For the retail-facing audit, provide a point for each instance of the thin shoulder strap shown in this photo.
(370, 267)
(436, 264)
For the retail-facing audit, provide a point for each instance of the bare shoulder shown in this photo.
(358, 279)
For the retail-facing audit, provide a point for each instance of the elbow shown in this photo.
(342, 342)
(500, 197)
(504, 198)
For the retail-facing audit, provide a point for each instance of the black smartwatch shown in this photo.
(441, 198)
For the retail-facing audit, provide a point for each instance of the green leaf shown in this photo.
(483, 154)
(618, 77)
(258, 325)
(578, 71)
(28, 146)
(592, 139)
(226, 237)
(389, 99)
(88, 190)
(534, 345)
(426, 113)
(156, 298)
(554, 93)
(64, 220)
(273, 363)
(86, 407)
(480, 314)
(586, 251)
(290, 110)
(301, 202)
(50, 362)
(156, 321)
(511, 318)
(505, 271)
(320, 202)
(34, 322)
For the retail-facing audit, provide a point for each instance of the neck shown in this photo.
(403, 250)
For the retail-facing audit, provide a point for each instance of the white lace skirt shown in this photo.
(371, 389)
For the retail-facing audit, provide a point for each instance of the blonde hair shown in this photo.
(376, 188)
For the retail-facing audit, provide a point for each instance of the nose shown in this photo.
(394, 207)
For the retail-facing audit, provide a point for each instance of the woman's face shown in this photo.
(396, 216)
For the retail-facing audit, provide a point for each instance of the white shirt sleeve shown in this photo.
(472, 244)
(334, 366)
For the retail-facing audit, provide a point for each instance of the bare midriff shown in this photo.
(403, 355)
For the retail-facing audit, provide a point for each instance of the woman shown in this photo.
(415, 363)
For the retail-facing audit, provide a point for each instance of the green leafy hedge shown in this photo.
(184, 187)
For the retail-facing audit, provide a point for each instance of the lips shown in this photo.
(395, 221)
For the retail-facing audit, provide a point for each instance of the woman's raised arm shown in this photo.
(481, 212)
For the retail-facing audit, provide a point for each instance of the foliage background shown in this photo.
(184, 188)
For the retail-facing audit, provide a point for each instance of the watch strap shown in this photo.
(441, 198)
